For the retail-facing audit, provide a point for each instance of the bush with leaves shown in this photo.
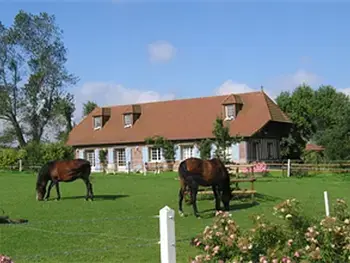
(205, 148)
(10, 157)
(295, 239)
(103, 159)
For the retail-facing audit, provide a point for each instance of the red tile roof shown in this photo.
(181, 119)
(314, 147)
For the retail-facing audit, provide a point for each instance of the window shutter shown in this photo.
(235, 152)
(127, 155)
(212, 151)
(97, 159)
(81, 154)
(178, 153)
(162, 158)
(196, 152)
(145, 157)
(110, 155)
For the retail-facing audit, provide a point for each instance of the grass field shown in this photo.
(118, 226)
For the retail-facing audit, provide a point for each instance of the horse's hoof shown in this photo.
(181, 214)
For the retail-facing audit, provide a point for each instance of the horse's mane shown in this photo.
(44, 170)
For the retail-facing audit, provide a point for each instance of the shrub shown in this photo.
(35, 154)
(103, 159)
(295, 239)
(5, 259)
(8, 157)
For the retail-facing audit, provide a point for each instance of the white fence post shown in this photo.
(326, 202)
(167, 235)
(20, 165)
(288, 168)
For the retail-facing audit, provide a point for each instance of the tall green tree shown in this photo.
(321, 116)
(88, 107)
(223, 139)
(33, 74)
(65, 107)
(299, 107)
(332, 118)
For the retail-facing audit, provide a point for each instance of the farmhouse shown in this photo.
(122, 130)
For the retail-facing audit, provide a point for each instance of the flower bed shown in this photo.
(259, 167)
(295, 239)
(5, 259)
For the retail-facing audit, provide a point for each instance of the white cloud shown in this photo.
(107, 94)
(161, 51)
(346, 91)
(289, 82)
(229, 87)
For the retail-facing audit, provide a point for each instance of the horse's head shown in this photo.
(226, 187)
(41, 182)
(40, 192)
(226, 197)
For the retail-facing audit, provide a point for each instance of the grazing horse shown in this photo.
(63, 171)
(194, 172)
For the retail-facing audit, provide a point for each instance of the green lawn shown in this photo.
(118, 226)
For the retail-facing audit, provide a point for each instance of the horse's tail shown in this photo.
(183, 172)
(86, 168)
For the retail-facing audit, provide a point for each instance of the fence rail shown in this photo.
(286, 166)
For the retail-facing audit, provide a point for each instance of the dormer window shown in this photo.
(127, 120)
(231, 106)
(229, 112)
(98, 122)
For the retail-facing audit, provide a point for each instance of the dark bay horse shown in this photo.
(194, 172)
(63, 171)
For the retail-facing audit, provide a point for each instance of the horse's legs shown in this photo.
(89, 193)
(58, 191)
(194, 190)
(181, 196)
(217, 197)
(49, 189)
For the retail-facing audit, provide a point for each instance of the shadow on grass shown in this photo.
(96, 197)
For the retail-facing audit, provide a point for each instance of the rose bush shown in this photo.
(295, 239)
(5, 259)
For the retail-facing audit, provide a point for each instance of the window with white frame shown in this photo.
(229, 111)
(127, 120)
(90, 156)
(186, 151)
(119, 157)
(155, 154)
(97, 122)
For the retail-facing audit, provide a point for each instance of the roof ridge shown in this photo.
(178, 99)
(267, 103)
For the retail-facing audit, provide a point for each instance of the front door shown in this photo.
(120, 159)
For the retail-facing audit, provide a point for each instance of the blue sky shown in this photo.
(135, 51)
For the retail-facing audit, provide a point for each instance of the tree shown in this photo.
(299, 107)
(205, 148)
(333, 122)
(32, 74)
(223, 139)
(321, 116)
(89, 107)
(65, 107)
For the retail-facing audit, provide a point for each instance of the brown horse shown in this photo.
(63, 171)
(194, 172)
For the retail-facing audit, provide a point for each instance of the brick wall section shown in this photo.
(136, 158)
(243, 152)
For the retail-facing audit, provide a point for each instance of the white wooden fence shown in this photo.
(167, 235)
